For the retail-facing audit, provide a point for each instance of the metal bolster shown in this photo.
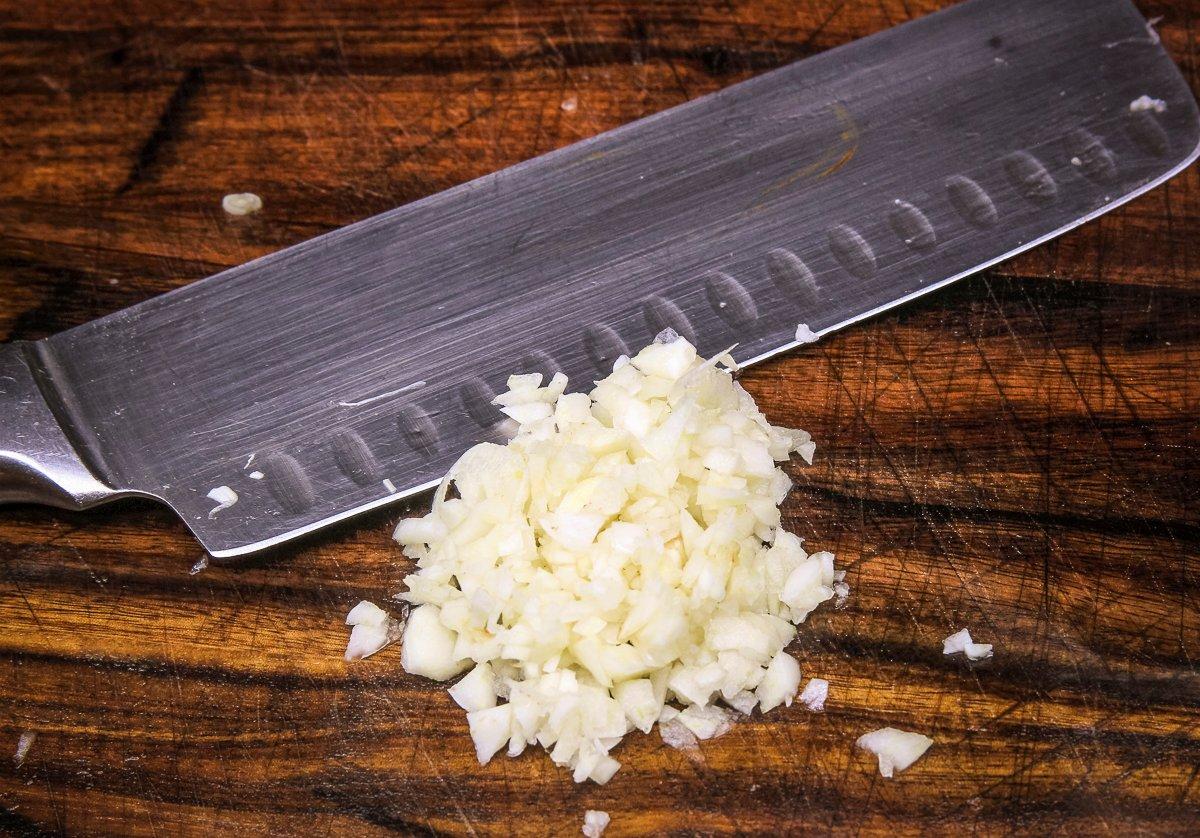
(38, 463)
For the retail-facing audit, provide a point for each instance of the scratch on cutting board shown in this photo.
(166, 131)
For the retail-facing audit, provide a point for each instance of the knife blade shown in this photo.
(350, 371)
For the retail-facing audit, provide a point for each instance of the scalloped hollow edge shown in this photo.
(274, 541)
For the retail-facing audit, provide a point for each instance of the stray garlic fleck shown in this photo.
(24, 743)
(814, 694)
(241, 203)
(895, 749)
(961, 641)
(805, 334)
(224, 498)
(1147, 103)
(594, 823)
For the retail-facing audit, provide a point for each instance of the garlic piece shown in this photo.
(706, 722)
(814, 694)
(476, 690)
(896, 749)
(805, 334)
(780, 683)
(594, 823)
(1147, 103)
(490, 730)
(223, 496)
(961, 641)
(24, 743)
(372, 630)
(639, 702)
(241, 203)
(428, 646)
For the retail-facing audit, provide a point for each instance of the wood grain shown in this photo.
(1016, 455)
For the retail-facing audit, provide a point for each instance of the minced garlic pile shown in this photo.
(618, 563)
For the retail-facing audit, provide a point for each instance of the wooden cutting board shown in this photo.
(1017, 455)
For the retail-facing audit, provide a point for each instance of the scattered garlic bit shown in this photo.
(706, 722)
(896, 749)
(201, 564)
(429, 647)
(24, 743)
(570, 104)
(241, 203)
(594, 823)
(805, 334)
(256, 475)
(676, 735)
(223, 496)
(744, 702)
(841, 592)
(621, 552)
(1146, 103)
(961, 641)
(1152, 31)
(372, 630)
(814, 694)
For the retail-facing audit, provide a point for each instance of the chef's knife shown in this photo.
(351, 370)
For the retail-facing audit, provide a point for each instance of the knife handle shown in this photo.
(38, 463)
